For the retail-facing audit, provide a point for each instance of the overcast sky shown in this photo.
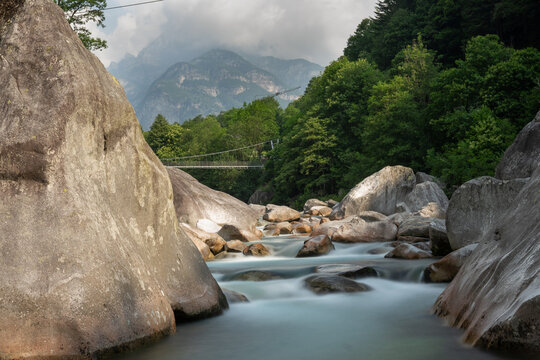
(316, 30)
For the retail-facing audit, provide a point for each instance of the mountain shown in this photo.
(215, 81)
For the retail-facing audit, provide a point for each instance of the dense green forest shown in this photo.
(440, 86)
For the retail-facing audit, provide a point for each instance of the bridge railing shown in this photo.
(213, 164)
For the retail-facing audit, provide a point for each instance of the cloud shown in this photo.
(313, 29)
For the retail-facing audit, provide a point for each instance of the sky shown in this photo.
(316, 30)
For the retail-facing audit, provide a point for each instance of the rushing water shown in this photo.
(284, 320)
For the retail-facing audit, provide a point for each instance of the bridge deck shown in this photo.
(214, 164)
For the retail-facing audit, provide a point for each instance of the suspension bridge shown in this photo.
(246, 157)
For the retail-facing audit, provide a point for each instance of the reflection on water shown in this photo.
(286, 321)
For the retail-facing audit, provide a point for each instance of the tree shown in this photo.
(78, 13)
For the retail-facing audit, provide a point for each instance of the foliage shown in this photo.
(78, 13)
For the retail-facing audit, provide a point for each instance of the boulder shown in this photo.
(423, 177)
(255, 275)
(256, 250)
(203, 248)
(313, 202)
(446, 269)
(261, 197)
(259, 209)
(379, 192)
(418, 226)
(234, 297)
(194, 201)
(425, 193)
(316, 246)
(216, 245)
(331, 203)
(359, 230)
(301, 228)
(208, 226)
(235, 246)
(438, 238)
(371, 216)
(320, 210)
(408, 252)
(232, 232)
(347, 270)
(280, 213)
(328, 228)
(476, 206)
(93, 259)
(495, 296)
(432, 210)
(283, 228)
(523, 156)
(328, 283)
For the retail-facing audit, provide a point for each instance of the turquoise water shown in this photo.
(283, 320)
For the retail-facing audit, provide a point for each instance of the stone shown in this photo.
(425, 193)
(328, 228)
(495, 297)
(422, 245)
(331, 203)
(438, 238)
(281, 213)
(235, 246)
(254, 275)
(327, 283)
(408, 252)
(256, 250)
(417, 226)
(259, 209)
(423, 177)
(234, 297)
(313, 202)
(93, 259)
(301, 229)
(194, 201)
(208, 226)
(320, 210)
(379, 192)
(523, 156)
(232, 232)
(476, 206)
(316, 246)
(347, 270)
(359, 230)
(432, 210)
(204, 249)
(283, 228)
(446, 268)
(261, 197)
(371, 216)
(216, 245)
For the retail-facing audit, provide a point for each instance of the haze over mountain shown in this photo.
(215, 81)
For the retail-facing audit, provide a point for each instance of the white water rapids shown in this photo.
(284, 320)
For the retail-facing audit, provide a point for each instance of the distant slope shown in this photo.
(215, 81)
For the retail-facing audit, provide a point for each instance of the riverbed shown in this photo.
(284, 320)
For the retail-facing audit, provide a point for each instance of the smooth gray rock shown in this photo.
(438, 238)
(234, 297)
(92, 257)
(432, 210)
(495, 296)
(328, 283)
(260, 197)
(316, 246)
(194, 201)
(423, 177)
(313, 202)
(259, 209)
(278, 213)
(379, 192)
(523, 156)
(447, 268)
(476, 206)
(347, 270)
(359, 230)
(408, 252)
(425, 193)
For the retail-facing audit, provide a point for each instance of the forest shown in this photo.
(440, 86)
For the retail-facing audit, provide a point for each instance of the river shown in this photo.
(284, 320)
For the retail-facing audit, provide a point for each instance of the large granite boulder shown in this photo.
(379, 192)
(276, 213)
(316, 246)
(424, 193)
(447, 268)
(194, 201)
(495, 296)
(313, 202)
(476, 206)
(360, 230)
(523, 156)
(92, 257)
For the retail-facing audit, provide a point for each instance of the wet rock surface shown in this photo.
(408, 252)
(347, 270)
(447, 268)
(327, 283)
(316, 246)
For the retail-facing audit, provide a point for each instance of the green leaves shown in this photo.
(80, 12)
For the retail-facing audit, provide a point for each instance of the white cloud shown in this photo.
(313, 29)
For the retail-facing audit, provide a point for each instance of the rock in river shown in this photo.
(327, 283)
(92, 259)
(316, 246)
